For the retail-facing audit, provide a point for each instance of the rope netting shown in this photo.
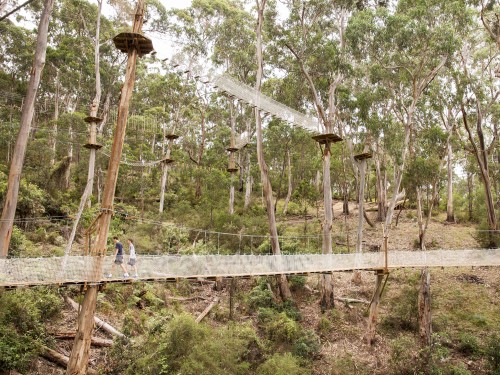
(88, 269)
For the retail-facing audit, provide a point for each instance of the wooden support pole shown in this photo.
(424, 307)
(372, 319)
(232, 291)
(81, 346)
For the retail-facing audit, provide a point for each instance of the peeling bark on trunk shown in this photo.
(13, 182)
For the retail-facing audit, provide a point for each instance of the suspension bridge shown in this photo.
(92, 270)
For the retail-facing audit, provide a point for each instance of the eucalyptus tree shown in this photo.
(479, 92)
(315, 36)
(12, 194)
(264, 171)
(407, 45)
(93, 131)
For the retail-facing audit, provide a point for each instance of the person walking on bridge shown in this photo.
(118, 258)
(132, 257)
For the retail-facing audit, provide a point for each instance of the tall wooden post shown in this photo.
(362, 160)
(424, 307)
(327, 294)
(16, 166)
(134, 44)
(373, 317)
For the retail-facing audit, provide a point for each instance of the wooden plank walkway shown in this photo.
(21, 272)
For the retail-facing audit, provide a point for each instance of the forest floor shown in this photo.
(466, 303)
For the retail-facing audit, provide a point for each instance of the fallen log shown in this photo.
(182, 299)
(351, 300)
(60, 359)
(96, 341)
(100, 323)
(207, 310)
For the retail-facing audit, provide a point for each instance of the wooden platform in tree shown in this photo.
(232, 149)
(171, 136)
(326, 138)
(90, 119)
(126, 42)
(363, 156)
(94, 146)
(167, 161)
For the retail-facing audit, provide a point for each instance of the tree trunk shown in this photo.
(361, 200)
(373, 317)
(481, 155)
(450, 215)
(231, 195)
(266, 184)
(67, 172)
(53, 142)
(248, 183)
(381, 196)
(164, 177)
(424, 307)
(470, 194)
(420, 220)
(81, 346)
(92, 139)
(290, 187)
(327, 294)
(12, 193)
(232, 291)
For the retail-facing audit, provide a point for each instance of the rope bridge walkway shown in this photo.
(18, 272)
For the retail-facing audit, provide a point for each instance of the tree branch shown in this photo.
(312, 88)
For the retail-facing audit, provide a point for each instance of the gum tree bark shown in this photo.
(16, 166)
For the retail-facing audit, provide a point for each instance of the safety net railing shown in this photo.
(90, 269)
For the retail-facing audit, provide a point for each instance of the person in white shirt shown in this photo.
(132, 257)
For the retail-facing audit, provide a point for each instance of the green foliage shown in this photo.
(403, 359)
(307, 345)
(23, 315)
(277, 326)
(297, 282)
(404, 310)
(492, 354)
(181, 345)
(346, 364)
(281, 364)
(261, 296)
(467, 344)
(19, 244)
